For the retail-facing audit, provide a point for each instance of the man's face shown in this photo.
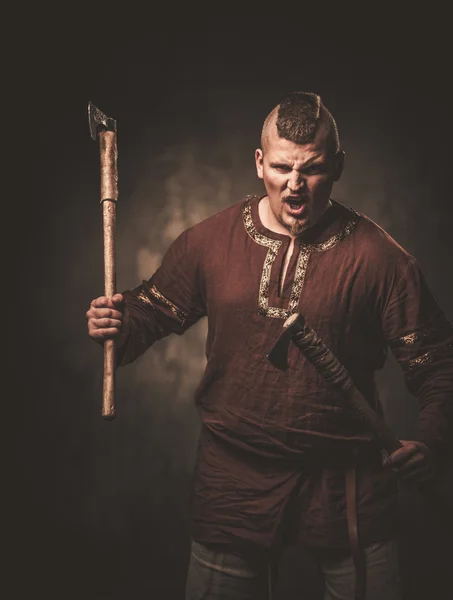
(298, 179)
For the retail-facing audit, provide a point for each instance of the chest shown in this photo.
(279, 279)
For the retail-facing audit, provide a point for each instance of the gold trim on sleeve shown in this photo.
(421, 334)
(410, 338)
(144, 298)
(154, 292)
(427, 358)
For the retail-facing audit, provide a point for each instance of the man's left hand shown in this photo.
(413, 462)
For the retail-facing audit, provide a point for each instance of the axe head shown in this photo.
(98, 121)
(278, 355)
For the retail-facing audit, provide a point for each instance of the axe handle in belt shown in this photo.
(335, 374)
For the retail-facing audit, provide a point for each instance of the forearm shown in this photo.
(434, 387)
(171, 301)
(143, 325)
(149, 316)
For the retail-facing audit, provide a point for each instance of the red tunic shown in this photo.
(274, 444)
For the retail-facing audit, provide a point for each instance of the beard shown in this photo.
(295, 227)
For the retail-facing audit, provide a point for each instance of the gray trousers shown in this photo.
(216, 574)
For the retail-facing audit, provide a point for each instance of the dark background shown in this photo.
(103, 505)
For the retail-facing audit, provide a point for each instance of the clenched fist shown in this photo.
(105, 317)
(413, 462)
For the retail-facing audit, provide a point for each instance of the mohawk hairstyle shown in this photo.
(298, 117)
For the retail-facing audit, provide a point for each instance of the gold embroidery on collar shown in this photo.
(154, 292)
(301, 268)
(337, 237)
(273, 248)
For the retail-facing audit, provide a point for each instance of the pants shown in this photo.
(217, 574)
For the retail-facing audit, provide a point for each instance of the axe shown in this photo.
(329, 367)
(104, 128)
(296, 329)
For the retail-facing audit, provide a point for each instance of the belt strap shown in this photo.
(358, 554)
(272, 573)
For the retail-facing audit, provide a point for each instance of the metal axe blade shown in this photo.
(278, 355)
(98, 121)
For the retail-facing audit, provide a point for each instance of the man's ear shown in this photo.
(339, 164)
(259, 162)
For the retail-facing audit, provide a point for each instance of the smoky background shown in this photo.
(103, 506)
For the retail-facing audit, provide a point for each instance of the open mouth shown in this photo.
(296, 207)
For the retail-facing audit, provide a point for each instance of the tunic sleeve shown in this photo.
(171, 301)
(421, 338)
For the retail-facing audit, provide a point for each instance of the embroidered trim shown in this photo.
(302, 262)
(144, 298)
(416, 336)
(427, 358)
(154, 292)
(337, 237)
(273, 248)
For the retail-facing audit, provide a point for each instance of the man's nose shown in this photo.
(295, 182)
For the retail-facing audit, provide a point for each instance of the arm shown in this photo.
(421, 338)
(171, 301)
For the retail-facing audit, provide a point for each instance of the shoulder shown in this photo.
(230, 213)
(201, 236)
(216, 226)
(371, 241)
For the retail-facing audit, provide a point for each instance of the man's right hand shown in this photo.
(105, 317)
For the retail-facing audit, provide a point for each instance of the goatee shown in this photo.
(296, 228)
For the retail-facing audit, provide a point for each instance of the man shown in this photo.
(277, 448)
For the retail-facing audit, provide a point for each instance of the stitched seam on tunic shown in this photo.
(395, 287)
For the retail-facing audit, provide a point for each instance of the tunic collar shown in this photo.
(333, 226)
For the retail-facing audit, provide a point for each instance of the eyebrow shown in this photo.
(308, 163)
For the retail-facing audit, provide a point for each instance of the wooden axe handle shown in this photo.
(109, 196)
